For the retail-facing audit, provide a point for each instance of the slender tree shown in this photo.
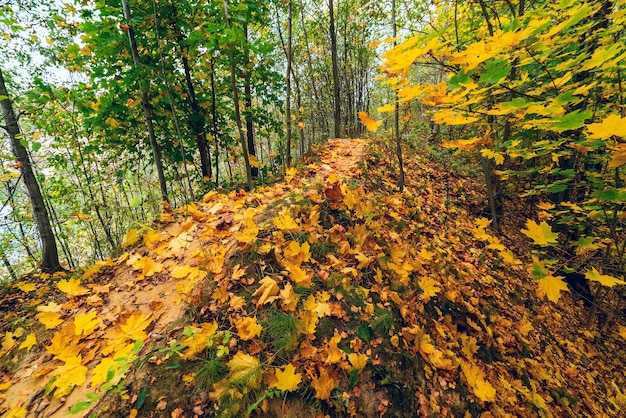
(332, 30)
(233, 85)
(396, 112)
(288, 76)
(147, 111)
(49, 253)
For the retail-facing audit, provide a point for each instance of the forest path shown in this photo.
(148, 287)
(328, 285)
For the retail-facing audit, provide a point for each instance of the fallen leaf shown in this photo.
(287, 379)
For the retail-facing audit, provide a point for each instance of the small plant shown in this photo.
(210, 371)
(282, 331)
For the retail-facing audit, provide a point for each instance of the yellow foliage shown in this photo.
(287, 379)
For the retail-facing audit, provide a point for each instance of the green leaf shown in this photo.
(495, 70)
(566, 98)
(610, 195)
(517, 103)
(353, 378)
(141, 398)
(36, 146)
(80, 407)
(3, 97)
(460, 78)
(572, 120)
(365, 333)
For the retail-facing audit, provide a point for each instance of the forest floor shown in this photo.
(327, 294)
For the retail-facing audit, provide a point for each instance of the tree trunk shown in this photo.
(288, 75)
(320, 110)
(7, 264)
(335, 69)
(396, 112)
(247, 93)
(156, 151)
(233, 85)
(49, 253)
(214, 121)
(197, 121)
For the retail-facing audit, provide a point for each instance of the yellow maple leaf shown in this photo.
(247, 328)
(323, 384)
(16, 412)
(180, 271)
(449, 117)
(135, 325)
(509, 258)
(370, 123)
(287, 380)
(540, 233)
(86, 323)
(49, 319)
(216, 257)
(551, 287)
(65, 344)
(429, 287)
(363, 260)
(100, 373)
(285, 222)
(130, 238)
(296, 253)
(545, 205)
(603, 279)
(199, 340)
(611, 125)
(5, 385)
(249, 234)
(8, 343)
(334, 354)
(618, 157)
(267, 291)
(28, 342)
(288, 297)
(72, 287)
(386, 108)
(476, 379)
(151, 238)
(148, 266)
(245, 370)
(495, 156)
(65, 377)
(297, 274)
(358, 360)
(26, 287)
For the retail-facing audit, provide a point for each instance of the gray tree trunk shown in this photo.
(50, 255)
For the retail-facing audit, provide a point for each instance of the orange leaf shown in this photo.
(323, 384)
(371, 124)
(247, 328)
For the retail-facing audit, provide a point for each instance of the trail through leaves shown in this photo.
(328, 293)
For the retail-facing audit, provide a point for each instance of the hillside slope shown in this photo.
(327, 294)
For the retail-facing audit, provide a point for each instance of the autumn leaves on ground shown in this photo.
(328, 294)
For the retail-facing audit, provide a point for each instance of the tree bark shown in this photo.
(233, 85)
(49, 253)
(147, 111)
(288, 75)
(396, 112)
(247, 99)
(333, 54)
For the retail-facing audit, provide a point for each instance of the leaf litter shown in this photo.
(327, 294)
